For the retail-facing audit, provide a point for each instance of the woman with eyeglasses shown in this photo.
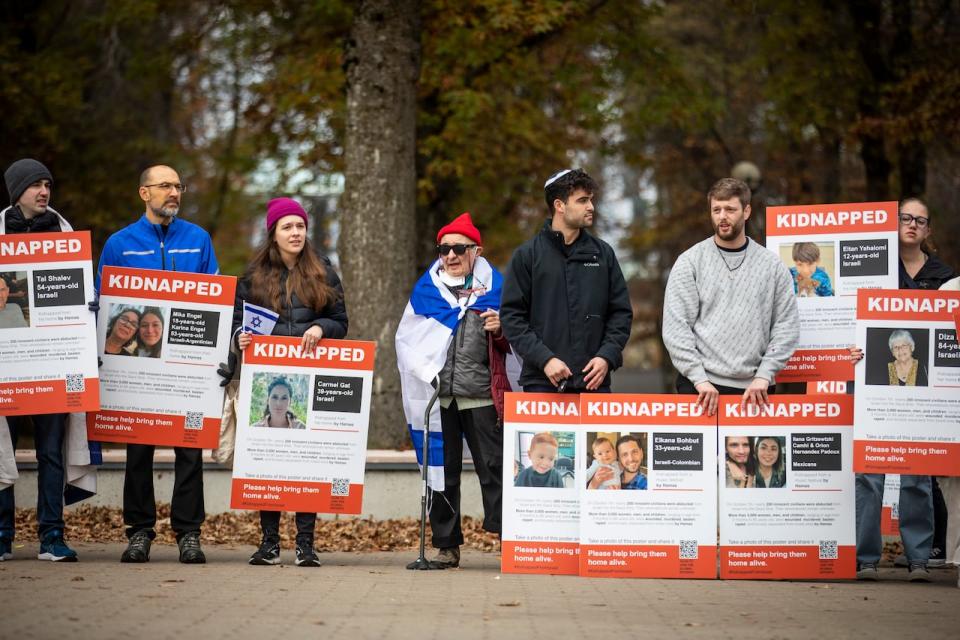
(150, 334)
(122, 333)
(923, 513)
(301, 286)
(919, 268)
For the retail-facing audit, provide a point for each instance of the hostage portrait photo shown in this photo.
(14, 305)
(279, 401)
(544, 459)
(897, 357)
(755, 462)
(135, 330)
(812, 268)
(617, 460)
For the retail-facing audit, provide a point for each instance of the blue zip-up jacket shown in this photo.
(142, 245)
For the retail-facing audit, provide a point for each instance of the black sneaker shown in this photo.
(267, 554)
(190, 551)
(306, 556)
(938, 558)
(138, 548)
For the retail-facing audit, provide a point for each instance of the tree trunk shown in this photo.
(378, 207)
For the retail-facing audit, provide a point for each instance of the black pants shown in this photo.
(270, 526)
(939, 518)
(685, 386)
(139, 503)
(485, 438)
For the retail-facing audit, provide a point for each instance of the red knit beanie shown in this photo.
(280, 207)
(463, 225)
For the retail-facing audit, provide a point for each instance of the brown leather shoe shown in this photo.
(448, 557)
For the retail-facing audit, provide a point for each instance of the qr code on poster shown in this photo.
(828, 549)
(194, 420)
(340, 487)
(75, 383)
(689, 549)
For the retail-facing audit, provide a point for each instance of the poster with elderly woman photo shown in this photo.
(908, 383)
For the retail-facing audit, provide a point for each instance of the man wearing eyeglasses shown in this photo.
(451, 331)
(566, 310)
(161, 240)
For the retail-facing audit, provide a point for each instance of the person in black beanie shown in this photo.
(29, 183)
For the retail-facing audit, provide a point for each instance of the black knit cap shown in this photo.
(21, 174)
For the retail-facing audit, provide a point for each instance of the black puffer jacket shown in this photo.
(296, 318)
(931, 276)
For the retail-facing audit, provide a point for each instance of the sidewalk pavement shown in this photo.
(371, 595)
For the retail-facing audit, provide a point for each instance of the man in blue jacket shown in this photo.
(160, 240)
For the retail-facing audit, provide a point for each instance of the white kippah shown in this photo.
(555, 177)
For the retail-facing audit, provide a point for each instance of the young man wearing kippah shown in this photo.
(565, 309)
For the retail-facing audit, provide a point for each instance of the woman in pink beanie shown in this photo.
(287, 276)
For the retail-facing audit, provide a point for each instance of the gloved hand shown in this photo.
(228, 369)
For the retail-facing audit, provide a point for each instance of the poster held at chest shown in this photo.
(48, 355)
(302, 418)
(648, 489)
(832, 251)
(786, 488)
(541, 505)
(908, 383)
(161, 336)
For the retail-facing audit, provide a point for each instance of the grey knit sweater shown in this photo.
(729, 317)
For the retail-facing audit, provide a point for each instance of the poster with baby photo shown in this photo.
(830, 252)
(648, 489)
(541, 509)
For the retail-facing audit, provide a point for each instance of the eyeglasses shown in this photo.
(168, 186)
(129, 324)
(458, 249)
(906, 218)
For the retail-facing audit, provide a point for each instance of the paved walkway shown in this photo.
(373, 596)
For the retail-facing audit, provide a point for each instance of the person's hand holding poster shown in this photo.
(161, 335)
(48, 354)
(832, 251)
(302, 417)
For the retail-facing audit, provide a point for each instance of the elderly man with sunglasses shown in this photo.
(161, 240)
(450, 332)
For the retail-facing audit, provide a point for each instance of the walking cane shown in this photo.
(421, 563)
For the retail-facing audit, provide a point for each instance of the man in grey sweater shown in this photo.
(730, 318)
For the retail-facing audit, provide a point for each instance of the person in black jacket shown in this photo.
(301, 286)
(923, 513)
(565, 308)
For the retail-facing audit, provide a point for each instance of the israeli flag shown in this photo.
(426, 329)
(258, 320)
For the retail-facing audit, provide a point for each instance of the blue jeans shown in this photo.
(48, 434)
(916, 517)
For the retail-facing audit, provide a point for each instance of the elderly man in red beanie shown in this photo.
(450, 331)
(161, 240)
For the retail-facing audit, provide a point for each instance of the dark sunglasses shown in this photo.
(458, 249)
